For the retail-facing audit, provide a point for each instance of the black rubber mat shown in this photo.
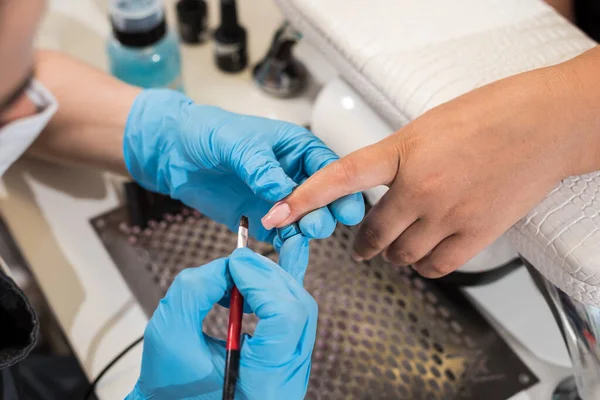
(383, 333)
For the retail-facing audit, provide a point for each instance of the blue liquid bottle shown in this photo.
(142, 51)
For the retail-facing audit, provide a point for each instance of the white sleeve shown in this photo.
(18, 135)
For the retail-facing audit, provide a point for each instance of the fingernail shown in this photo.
(357, 258)
(276, 215)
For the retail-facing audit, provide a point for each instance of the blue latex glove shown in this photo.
(226, 164)
(181, 362)
(293, 249)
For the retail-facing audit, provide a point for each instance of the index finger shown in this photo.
(363, 169)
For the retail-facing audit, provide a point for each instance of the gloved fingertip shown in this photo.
(288, 231)
(294, 256)
(318, 224)
(349, 210)
(241, 253)
(273, 185)
(248, 267)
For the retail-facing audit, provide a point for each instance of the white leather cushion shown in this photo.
(406, 56)
(561, 237)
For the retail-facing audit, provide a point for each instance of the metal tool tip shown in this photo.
(244, 222)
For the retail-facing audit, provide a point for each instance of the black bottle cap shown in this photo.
(143, 38)
(230, 40)
(229, 23)
(191, 18)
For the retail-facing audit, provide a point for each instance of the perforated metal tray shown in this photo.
(383, 333)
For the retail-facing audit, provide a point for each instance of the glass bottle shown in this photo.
(141, 50)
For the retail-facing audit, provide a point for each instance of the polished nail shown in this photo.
(276, 216)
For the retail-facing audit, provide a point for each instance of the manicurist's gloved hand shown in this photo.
(226, 164)
(181, 362)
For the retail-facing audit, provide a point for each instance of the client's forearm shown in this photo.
(93, 108)
(564, 7)
(577, 110)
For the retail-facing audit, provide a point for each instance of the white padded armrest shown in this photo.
(407, 56)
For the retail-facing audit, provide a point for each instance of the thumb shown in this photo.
(260, 170)
(175, 350)
(192, 295)
(363, 169)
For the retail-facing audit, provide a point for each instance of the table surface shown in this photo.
(48, 207)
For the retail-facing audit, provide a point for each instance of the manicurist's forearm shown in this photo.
(88, 127)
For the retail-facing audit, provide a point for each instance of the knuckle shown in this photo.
(403, 256)
(464, 214)
(409, 141)
(426, 187)
(344, 170)
(404, 146)
(368, 239)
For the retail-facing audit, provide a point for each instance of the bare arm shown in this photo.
(564, 7)
(88, 127)
(464, 172)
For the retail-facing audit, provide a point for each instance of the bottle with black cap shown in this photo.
(142, 51)
(192, 21)
(230, 40)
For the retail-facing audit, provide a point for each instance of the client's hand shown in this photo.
(181, 362)
(227, 165)
(464, 172)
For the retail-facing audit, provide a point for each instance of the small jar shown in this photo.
(142, 51)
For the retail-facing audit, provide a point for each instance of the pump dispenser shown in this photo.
(142, 51)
